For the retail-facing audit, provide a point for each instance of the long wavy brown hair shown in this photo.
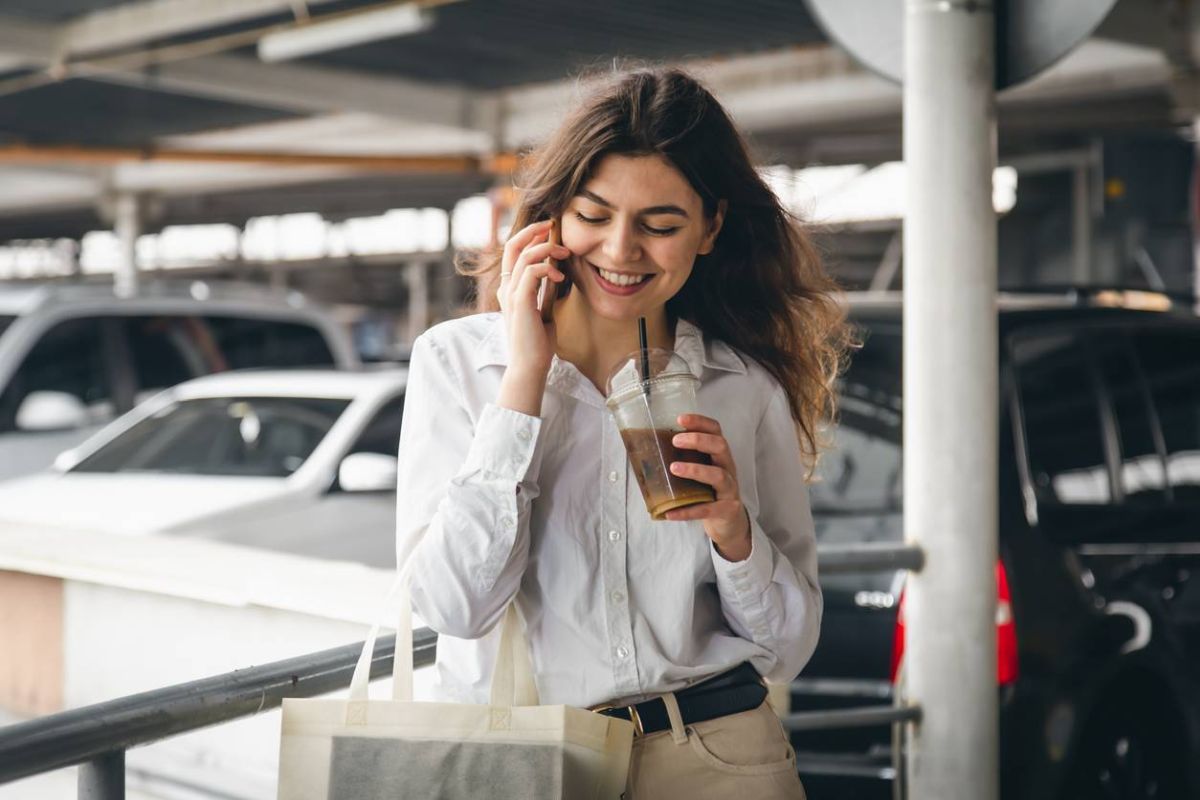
(762, 289)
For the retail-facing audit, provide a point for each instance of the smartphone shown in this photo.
(547, 293)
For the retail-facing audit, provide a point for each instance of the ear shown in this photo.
(714, 228)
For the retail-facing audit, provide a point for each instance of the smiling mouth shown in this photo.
(621, 282)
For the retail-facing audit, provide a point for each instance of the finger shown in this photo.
(513, 264)
(722, 509)
(714, 476)
(520, 240)
(540, 252)
(534, 254)
(713, 444)
(526, 290)
(699, 422)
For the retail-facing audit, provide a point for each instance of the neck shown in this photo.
(593, 343)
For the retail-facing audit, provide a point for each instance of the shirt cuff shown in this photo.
(504, 443)
(747, 579)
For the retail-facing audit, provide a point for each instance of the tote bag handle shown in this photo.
(512, 677)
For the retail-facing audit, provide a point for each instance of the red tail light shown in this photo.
(1006, 633)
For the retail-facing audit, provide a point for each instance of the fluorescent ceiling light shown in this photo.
(344, 31)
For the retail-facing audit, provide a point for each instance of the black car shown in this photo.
(1098, 620)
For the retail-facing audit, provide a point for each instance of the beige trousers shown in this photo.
(742, 756)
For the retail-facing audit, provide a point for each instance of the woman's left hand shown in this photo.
(725, 521)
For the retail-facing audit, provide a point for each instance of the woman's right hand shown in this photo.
(531, 342)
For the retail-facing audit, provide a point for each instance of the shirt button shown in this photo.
(509, 522)
(622, 652)
(523, 434)
(612, 477)
(614, 536)
(618, 597)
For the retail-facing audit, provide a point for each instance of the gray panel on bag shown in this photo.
(395, 769)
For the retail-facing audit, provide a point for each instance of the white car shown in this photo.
(74, 356)
(302, 461)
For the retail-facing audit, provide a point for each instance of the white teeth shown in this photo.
(619, 279)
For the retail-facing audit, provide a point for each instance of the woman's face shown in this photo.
(634, 230)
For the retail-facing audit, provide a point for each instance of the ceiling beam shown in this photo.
(131, 24)
(303, 89)
(454, 164)
(24, 42)
(298, 88)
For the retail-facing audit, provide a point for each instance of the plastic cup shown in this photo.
(646, 409)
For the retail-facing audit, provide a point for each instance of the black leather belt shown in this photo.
(739, 689)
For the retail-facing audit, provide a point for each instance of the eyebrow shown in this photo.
(665, 209)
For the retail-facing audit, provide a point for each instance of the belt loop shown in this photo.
(678, 734)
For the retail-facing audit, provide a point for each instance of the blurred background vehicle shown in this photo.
(1098, 618)
(300, 461)
(73, 357)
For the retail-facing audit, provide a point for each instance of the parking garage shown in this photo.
(251, 211)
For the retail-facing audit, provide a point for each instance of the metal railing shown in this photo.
(97, 736)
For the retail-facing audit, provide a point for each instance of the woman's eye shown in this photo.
(660, 231)
(588, 220)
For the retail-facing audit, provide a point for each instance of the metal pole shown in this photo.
(950, 397)
(128, 229)
(103, 778)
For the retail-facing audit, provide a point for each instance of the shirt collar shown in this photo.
(693, 346)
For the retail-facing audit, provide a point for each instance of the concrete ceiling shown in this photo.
(110, 79)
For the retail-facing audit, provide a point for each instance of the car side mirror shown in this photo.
(51, 411)
(367, 472)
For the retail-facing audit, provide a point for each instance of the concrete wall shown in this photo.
(86, 618)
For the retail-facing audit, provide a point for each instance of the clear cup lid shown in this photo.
(630, 375)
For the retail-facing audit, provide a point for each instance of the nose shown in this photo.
(621, 245)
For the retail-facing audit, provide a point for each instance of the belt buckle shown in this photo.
(636, 719)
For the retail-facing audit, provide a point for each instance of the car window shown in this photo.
(245, 343)
(1061, 419)
(165, 351)
(67, 358)
(1142, 476)
(856, 495)
(382, 434)
(5, 321)
(247, 436)
(1171, 360)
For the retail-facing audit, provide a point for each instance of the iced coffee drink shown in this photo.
(647, 399)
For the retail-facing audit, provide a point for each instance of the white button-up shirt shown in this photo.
(495, 504)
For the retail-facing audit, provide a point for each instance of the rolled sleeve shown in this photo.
(743, 586)
(465, 485)
(504, 444)
(772, 597)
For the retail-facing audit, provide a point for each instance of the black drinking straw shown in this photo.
(645, 356)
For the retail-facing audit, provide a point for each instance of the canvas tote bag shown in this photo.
(511, 749)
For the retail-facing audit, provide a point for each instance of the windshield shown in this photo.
(857, 494)
(249, 436)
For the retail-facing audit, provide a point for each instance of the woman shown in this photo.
(514, 482)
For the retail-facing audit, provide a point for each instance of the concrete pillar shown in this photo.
(950, 397)
(128, 225)
(416, 275)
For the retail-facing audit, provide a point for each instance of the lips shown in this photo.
(616, 288)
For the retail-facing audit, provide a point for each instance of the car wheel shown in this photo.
(1124, 755)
